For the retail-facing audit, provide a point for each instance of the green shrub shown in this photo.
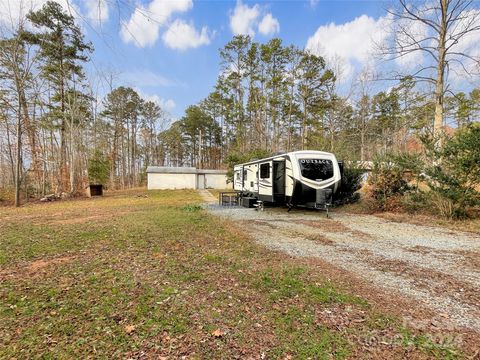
(386, 184)
(453, 173)
(98, 168)
(7, 195)
(351, 183)
(416, 201)
(411, 166)
(191, 208)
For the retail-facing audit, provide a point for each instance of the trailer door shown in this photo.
(265, 182)
(279, 181)
(244, 178)
(237, 179)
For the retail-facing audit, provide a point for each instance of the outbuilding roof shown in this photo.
(182, 170)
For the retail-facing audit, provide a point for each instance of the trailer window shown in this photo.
(316, 169)
(265, 171)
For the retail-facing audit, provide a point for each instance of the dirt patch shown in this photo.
(43, 263)
(85, 219)
(470, 258)
(78, 220)
(334, 226)
(318, 238)
(33, 268)
(420, 249)
(435, 281)
(259, 222)
(327, 225)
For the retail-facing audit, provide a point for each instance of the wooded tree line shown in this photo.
(270, 98)
(57, 136)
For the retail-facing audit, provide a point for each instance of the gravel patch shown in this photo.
(381, 252)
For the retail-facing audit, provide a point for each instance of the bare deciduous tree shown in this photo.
(440, 30)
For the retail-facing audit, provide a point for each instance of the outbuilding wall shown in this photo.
(216, 181)
(161, 177)
(156, 181)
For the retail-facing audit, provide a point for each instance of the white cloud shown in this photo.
(350, 42)
(168, 104)
(243, 19)
(181, 36)
(12, 11)
(97, 10)
(269, 25)
(144, 25)
(145, 78)
(471, 41)
(313, 3)
(409, 33)
(468, 44)
(165, 104)
(417, 30)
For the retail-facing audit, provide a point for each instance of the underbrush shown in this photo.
(349, 186)
(442, 181)
(6, 196)
(417, 202)
(410, 209)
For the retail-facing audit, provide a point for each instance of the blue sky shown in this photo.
(168, 49)
(185, 76)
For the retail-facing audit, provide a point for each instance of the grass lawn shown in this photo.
(131, 276)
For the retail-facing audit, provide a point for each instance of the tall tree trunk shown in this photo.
(72, 161)
(113, 161)
(362, 144)
(304, 125)
(10, 153)
(18, 154)
(32, 137)
(63, 142)
(439, 85)
(18, 157)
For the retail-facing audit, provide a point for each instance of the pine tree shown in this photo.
(62, 50)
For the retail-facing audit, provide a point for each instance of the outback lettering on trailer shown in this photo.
(314, 161)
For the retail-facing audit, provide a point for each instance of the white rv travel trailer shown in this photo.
(300, 178)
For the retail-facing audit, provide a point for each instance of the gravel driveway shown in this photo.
(438, 268)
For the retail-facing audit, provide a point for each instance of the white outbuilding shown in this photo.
(165, 177)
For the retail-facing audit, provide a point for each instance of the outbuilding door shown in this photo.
(201, 181)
